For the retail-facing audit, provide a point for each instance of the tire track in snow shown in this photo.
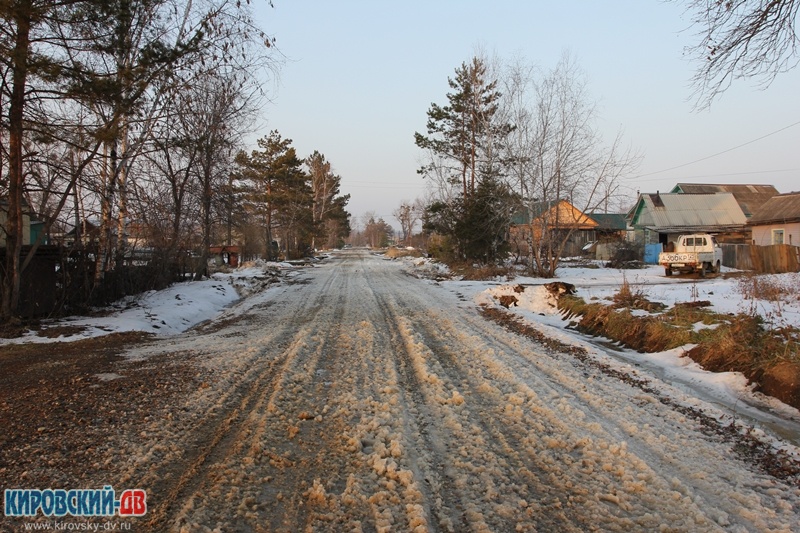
(500, 488)
(265, 472)
(622, 488)
(228, 423)
(676, 456)
(473, 469)
(445, 501)
(421, 416)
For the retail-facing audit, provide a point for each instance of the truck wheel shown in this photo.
(717, 267)
(667, 271)
(703, 269)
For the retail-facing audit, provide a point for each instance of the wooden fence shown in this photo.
(773, 259)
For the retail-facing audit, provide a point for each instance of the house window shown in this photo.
(777, 236)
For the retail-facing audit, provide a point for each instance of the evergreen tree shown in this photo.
(331, 220)
(278, 193)
(464, 139)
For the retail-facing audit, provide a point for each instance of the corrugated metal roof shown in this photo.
(780, 208)
(674, 210)
(750, 197)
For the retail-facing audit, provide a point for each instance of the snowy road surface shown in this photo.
(362, 399)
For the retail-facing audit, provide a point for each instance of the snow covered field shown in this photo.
(359, 398)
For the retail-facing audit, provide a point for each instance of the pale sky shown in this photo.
(359, 77)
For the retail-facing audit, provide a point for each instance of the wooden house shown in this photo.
(777, 221)
(557, 220)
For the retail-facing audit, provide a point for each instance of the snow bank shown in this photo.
(536, 299)
(169, 311)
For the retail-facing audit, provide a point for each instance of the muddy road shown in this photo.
(359, 398)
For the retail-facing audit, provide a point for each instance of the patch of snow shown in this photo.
(108, 376)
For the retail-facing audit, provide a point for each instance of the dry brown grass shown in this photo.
(769, 358)
(644, 334)
(633, 297)
(770, 288)
(394, 252)
(483, 272)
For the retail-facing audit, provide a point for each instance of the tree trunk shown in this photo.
(106, 200)
(10, 301)
(201, 269)
(121, 173)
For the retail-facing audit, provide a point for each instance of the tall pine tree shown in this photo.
(331, 221)
(278, 194)
(464, 137)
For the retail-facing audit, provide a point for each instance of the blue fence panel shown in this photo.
(651, 252)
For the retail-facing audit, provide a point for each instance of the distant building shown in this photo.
(659, 218)
(560, 218)
(26, 224)
(777, 221)
(749, 197)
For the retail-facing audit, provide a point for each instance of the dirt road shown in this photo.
(361, 399)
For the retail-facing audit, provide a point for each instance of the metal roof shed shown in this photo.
(674, 213)
(749, 197)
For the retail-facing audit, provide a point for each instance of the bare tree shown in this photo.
(741, 39)
(35, 70)
(77, 73)
(405, 216)
(555, 154)
(408, 214)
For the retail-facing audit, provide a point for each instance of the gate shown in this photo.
(651, 252)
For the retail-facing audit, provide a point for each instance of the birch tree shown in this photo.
(557, 153)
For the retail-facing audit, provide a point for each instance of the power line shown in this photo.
(718, 153)
(729, 174)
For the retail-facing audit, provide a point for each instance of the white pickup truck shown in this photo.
(691, 253)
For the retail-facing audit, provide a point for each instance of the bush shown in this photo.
(627, 255)
(483, 272)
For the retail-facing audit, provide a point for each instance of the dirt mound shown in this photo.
(783, 382)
